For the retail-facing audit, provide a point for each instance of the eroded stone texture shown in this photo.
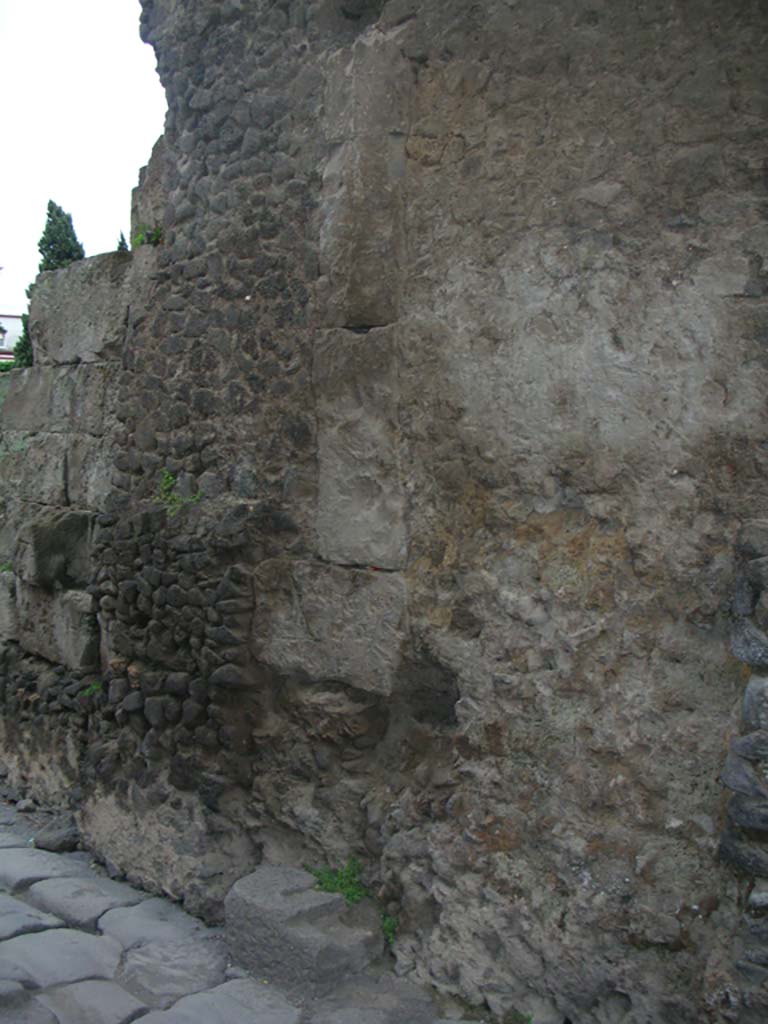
(428, 430)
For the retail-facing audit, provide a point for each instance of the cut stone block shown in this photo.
(55, 549)
(16, 918)
(376, 998)
(59, 626)
(60, 956)
(280, 927)
(235, 1002)
(21, 867)
(79, 315)
(9, 626)
(329, 622)
(361, 512)
(9, 839)
(28, 1012)
(160, 973)
(154, 920)
(81, 902)
(59, 399)
(92, 1002)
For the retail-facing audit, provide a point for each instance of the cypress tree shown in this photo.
(122, 245)
(58, 247)
(58, 244)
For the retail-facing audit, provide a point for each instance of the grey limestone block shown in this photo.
(92, 1002)
(18, 918)
(243, 1001)
(160, 973)
(280, 927)
(21, 867)
(82, 901)
(152, 920)
(59, 956)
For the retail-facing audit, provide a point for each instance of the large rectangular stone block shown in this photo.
(54, 549)
(8, 622)
(361, 513)
(331, 623)
(59, 626)
(57, 399)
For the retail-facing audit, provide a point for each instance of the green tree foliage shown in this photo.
(58, 247)
(22, 350)
(122, 245)
(58, 244)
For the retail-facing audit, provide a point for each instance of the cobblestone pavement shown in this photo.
(77, 947)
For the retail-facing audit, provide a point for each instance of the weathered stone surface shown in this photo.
(9, 626)
(748, 857)
(82, 901)
(361, 515)
(755, 704)
(61, 955)
(92, 1002)
(332, 623)
(17, 918)
(31, 1012)
(376, 999)
(54, 550)
(160, 973)
(59, 399)
(550, 216)
(246, 1002)
(10, 839)
(152, 920)
(21, 867)
(749, 643)
(280, 926)
(59, 836)
(80, 316)
(60, 626)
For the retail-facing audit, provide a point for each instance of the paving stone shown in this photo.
(20, 868)
(16, 918)
(59, 956)
(28, 1012)
(92, 1002)
(161, 973)
(10, 839)
(154, 920)
(235, 1002)
(81, 902)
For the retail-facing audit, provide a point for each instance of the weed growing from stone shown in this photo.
(92, 688)
(389, 927)
(6, 566)
(169, 497)
(349, 884)
(146, 235)
(346, 881)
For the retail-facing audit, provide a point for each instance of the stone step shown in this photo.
(279, 927)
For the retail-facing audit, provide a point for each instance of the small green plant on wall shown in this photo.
(92, 688)
(346, 881)
(169, 497)
(349, 884)
(146, 235)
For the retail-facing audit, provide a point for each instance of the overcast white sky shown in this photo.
(81, 107)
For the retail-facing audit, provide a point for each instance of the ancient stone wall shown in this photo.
(430, 425)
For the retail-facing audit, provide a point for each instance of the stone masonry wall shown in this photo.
(399, 485)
